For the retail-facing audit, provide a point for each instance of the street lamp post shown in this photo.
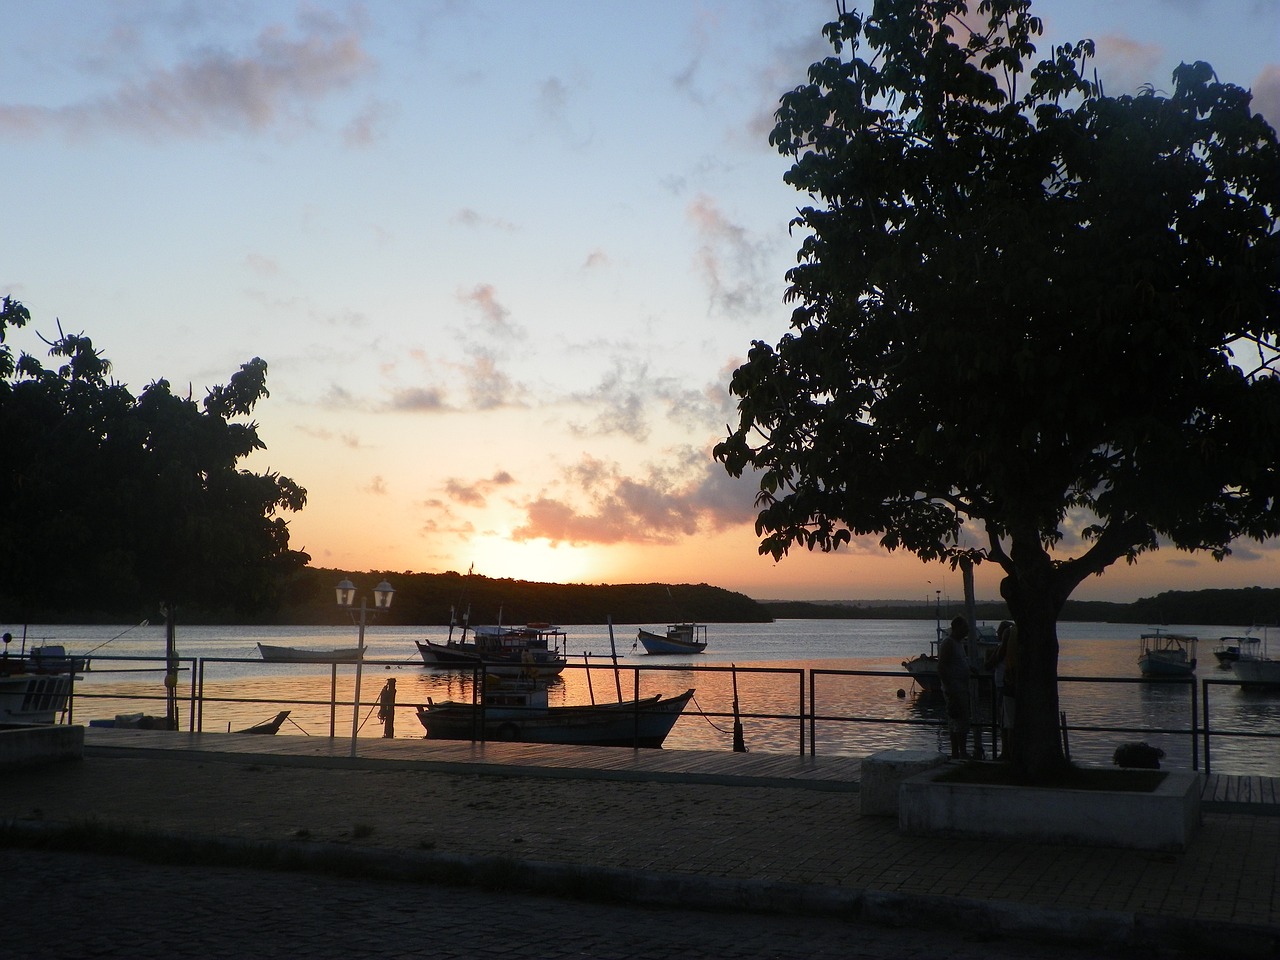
(382, 594)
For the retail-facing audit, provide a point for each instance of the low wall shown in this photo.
(27, 745)
(1163, 819)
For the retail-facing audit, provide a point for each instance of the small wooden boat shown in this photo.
(274, 654)
(679, 638)
(53, 658)
(516, 711)
(269, 727)
(1163, 655)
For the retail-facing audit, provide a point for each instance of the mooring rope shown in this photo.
(704, 716)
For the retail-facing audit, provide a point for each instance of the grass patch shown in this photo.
(1070, 777)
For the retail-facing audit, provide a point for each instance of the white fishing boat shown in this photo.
(517, 711)
(31, 696)
(679, 638)
(1254, 668)
(276, 654)
(1163, 655)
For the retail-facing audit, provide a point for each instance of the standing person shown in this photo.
(1003, 661)
(953, 672)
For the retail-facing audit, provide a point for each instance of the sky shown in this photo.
(501, 259)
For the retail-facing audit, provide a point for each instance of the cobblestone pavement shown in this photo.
(95, 908)
(738, 848)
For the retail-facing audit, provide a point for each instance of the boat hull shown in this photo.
(33, 697)
(466, 656)
(669, 644)
(1157, 666)
(274, 654)
(1257, 673)
(631, 723)
(924, 671)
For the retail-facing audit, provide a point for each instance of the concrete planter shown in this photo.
(23, 745)
(1163, 819)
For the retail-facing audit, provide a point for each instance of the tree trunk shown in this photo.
(1035, 601)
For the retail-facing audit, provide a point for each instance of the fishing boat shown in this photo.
(534, 650)
(679, 638)
(53, 658)
(517, 711)
(274, 654)
(1254, 668)
(29, 695)
(1229, 649)
(1163, 655)
(924, 666)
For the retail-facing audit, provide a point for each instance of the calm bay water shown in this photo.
(239, 689)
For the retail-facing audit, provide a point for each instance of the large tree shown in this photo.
(113, 504)
(1035, 323)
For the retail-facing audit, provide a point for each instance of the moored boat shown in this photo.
(276, 654)
(268, 727)
(679, 638)
(1254, 668)
(28, 696)
(1163, 655)
(517, 711)
(1229, 649)
(534, 650)
(924, 666)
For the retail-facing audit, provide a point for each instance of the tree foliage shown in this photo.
(118, 503)
(1035, 324)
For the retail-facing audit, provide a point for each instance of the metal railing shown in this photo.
(814, 708)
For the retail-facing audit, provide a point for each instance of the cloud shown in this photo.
(494, 317)
(1125, 65)
(366, 127)
(732, 263)
(467, 217)
(418, 400)
(669, 503)
(488, 387)
(269, 86)
(1266, 94)
(476, 492)
(596, 259)
(376, 486)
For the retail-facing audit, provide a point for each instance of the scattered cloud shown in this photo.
(476, 493)
(494, 317)
(1266, 94)
(467, 217)
(1125, 64)
(663, 506)
(270, 85)
(596, 259)
(733, 264)
(376, 486)
(418, 400)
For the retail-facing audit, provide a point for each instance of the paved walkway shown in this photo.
(791, 841)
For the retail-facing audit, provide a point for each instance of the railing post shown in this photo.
(1207, 767)
(813, 723)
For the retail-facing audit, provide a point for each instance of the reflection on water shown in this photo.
(856, 714)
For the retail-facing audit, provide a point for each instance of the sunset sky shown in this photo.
(500, 258)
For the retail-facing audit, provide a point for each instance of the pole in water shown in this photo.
(616, 679)
(739, 744)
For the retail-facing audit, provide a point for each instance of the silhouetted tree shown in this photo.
(112, 503)
(1036, 324)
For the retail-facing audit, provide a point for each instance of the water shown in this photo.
(774, 662)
